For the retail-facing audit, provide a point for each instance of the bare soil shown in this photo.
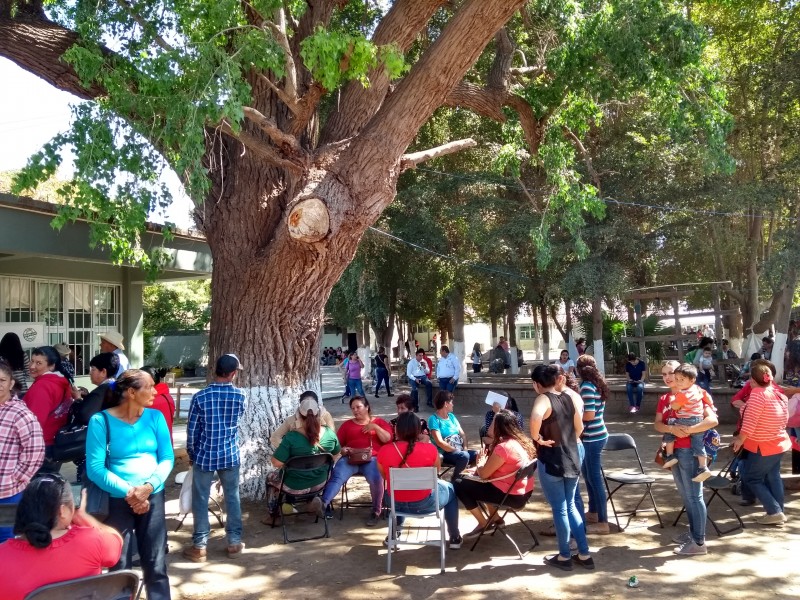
(758, 562)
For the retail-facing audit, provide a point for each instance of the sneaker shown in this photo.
(195, 554)
(691, 548)
(632, 410)
(455, 542)
(315, 506)
(555, 561)
(682, 538)
(329, 512)
(390, 395)
(702, 475)
(235, 550)
(670, 461)
(598, 528)
(474, 533)
(777, 518)
(373, 520)
(586, 563)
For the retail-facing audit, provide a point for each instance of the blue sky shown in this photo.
(32, 112)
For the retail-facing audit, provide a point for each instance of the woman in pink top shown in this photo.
(354, 366)
(509, 451)
(763, 435)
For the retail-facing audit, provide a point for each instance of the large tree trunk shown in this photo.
(597, 334)
(457, 312)
(545, 333)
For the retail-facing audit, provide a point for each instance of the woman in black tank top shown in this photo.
(556, 422)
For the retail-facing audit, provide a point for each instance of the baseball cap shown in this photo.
(309, 404)
(228, 363)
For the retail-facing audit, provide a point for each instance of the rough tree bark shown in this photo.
(274, 261)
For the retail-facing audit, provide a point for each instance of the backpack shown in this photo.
(711, 441)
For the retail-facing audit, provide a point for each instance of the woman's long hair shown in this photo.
(408, 429)
(587, 370)
(53, 359)
(38, 508)
(11, 350)
(132, 379)
(506, 428)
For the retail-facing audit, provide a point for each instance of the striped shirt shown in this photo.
(689, 402)
(764, 421)
(212, 436)
(21, 446)
(594, 430)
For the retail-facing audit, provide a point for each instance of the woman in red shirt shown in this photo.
(763, 435)
(362, 431)
(56, 541)
(407, 451)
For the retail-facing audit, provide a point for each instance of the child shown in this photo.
(706, 363)
(688, 407)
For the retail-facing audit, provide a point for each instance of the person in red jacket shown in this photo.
(49, 399)
(163, 401)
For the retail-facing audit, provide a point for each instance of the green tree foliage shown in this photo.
(174, 308)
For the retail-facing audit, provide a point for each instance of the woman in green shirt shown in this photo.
(310, 438)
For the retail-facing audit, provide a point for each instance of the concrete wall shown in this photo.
(178, 349)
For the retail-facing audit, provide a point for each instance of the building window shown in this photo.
(527, 332)
(73, 312)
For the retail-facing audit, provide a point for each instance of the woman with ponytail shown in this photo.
(49, 398)
(55, 541)
(307, 436)
(407, 452)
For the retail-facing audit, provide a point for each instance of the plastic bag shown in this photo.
(185, 498)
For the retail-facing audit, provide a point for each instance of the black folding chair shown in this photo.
(717, 483)
(619, 442)
(523, 472)
(312, 466)
(116, 585)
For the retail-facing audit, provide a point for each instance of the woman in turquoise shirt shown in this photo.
(140, 460)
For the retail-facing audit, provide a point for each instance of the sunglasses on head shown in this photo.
(50, 478)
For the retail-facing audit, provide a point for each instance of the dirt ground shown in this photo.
(758, 562)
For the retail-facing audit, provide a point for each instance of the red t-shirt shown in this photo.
(423, 455)
(81, 552)
(666, 412)
(164, 403)
(350, 434)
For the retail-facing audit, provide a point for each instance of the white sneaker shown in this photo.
(682, 538)
(690, 548)
(777, 518)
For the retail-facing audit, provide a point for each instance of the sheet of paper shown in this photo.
(493, 397)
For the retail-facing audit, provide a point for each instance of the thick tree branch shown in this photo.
(483, 101)
(37, 45)
(587, 159)
(410, 161)
(532, 128)
(503, 58)
(290, 102)
(306, 108)
(358, 104)
(260, 148)
(287, 143)
(279, 31)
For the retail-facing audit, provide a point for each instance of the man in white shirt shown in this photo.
(448, 368)
(418, 372)
(112, 341)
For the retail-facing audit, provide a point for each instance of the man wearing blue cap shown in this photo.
(212, 442)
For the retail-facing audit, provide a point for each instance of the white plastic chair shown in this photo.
(418, 478)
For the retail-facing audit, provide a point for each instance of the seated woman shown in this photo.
(362, 432)
(509, 452)
(295, 422)
(311, 437)
(56, 541)
(448, 435)
(407, 451)
(511, 405)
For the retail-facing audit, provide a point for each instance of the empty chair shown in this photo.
(118, 585)
(618, 442)
(418, 479)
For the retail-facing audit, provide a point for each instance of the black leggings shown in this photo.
(471, 492)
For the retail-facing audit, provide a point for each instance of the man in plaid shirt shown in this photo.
(212, 442)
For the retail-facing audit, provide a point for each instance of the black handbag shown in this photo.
(97, 498)
(70, 443)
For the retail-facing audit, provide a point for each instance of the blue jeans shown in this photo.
(201, 489)
(560, 494)
(447, 501)
(741, 469)
(150, 530)
(691, 492)
(415, 391)
(382, 376)
(6, 533)
(446, 384)
(459, 460)
(343, 470)
(592, 471)
(763, 477)
(355, 387)
(637, 389)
